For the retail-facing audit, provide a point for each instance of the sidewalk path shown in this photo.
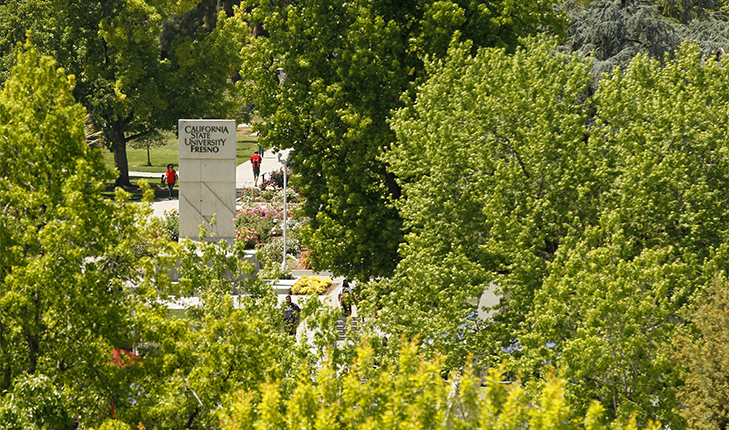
(243, 178)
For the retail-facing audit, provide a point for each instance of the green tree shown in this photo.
(603, 317)
(135, 73)
(148, 141)
(324, 81)
(233, 338)
(67, 253)
(612, 32)
(411, 394)
(21, 21)
(703, 350)
(660, 237)
(493, 179)
(597, 218)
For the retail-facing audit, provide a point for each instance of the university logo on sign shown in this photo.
(207, 138)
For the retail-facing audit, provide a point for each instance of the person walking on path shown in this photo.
(346, 299)
(170, 178)
(291, 316)
(256, 165)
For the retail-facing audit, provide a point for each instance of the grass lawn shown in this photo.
(161, 156)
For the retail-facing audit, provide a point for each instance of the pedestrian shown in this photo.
(170, 178)
(346, 299)
(291, 316)
(256, 165)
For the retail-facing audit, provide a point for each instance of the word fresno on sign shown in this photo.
(213, 138)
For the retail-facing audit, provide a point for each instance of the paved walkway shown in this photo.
(243, 178)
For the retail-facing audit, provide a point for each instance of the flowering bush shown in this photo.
(249, 236)
(171, 224)
(304, 262)
(272, 252)
(248, 195)
(292, 196)
(262, 219)
(275, 179)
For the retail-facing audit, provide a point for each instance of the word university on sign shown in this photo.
(207, 177)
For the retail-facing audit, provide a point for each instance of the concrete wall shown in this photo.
(207, 177)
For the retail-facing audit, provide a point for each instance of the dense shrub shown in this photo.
(249, 236)
(263, 219)
(171, 224)
(272, 252)
(311, 285)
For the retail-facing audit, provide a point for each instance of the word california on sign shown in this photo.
(211, 137)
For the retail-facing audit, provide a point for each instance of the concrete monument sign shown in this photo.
(207, 177)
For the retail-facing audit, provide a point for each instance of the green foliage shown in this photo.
(410, 394)
(659, 238)
(68, 254)
(614, 32)
(705, 357)
(22, 21)
(274, 271)
(34, 403)
(311, 285)
(151, 140)
(130, 82)
(604, 321)
(114, 425)
(227, 343)
(167, 227)
(688, 10)
(493, 181)
(598, 218)
(324, 81)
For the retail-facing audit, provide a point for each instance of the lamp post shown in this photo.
(283, 161)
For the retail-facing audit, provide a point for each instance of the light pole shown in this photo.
(283, 161)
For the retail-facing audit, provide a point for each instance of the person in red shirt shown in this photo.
(170, 178)
(256, 164)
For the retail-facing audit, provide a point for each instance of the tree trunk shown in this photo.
(119, 148)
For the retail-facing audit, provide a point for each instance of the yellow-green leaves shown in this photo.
(488, 162)
(414, 394)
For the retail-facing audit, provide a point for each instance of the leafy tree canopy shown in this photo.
(598, 218)
(410, 394)
(702, 349)
(137, 68)
(324, 81)
(67, 253)
(613, 32)
(493, 180)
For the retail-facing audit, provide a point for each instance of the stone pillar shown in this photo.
(207, 177)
